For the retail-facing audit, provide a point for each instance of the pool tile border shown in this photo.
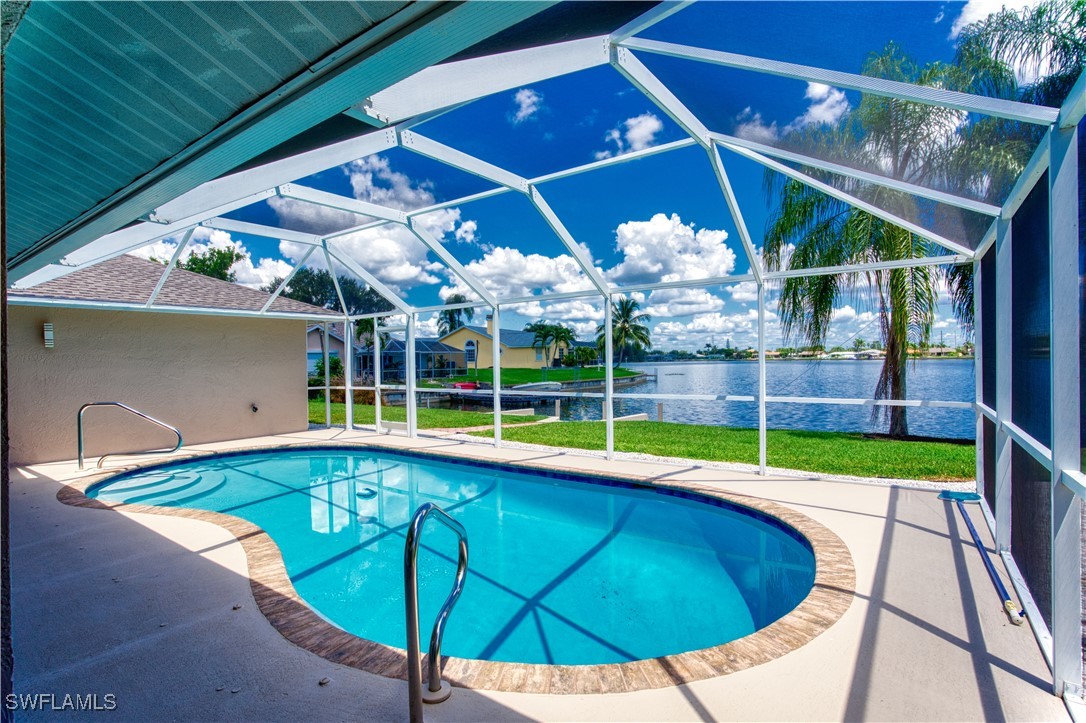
(275, 596)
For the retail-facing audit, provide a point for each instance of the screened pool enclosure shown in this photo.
(1022, 235)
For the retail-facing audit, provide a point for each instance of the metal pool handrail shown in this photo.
(437, 690)
(138, 413)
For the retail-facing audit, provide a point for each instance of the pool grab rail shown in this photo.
(138, 413)
(437, 690)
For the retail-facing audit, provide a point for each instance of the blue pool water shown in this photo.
(561, 571)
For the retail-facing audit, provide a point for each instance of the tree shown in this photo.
(316, 287)
(1046, 40)
(450, 320)
(215, 262)
(366, 328)
(629, 328)
(562, 336)
(544, 336)
(859, 344)
(335, 367)
(808, 228)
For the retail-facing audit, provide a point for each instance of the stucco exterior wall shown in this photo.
(514, 358)
(199, 373)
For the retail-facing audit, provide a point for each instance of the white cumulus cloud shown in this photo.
(528, 102)
(825, 104)
(203, 239)
(390, 252)
(666, 249)
(633, 134)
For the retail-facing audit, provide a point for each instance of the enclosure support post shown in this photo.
(376, 375)
(496, 362)
(409, 376)
(609, 375)
(1004, 444)
(348, 371)
(978, 370)
(761, 379)
(1064, 299)
(327, 377)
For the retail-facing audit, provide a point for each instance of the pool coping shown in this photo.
(276, 598)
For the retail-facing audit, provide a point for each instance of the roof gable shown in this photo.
(132, 280)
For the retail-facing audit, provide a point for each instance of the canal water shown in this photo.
(930, 379)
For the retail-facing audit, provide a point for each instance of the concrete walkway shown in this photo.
(142, 606)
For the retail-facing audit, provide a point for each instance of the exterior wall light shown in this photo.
(47, 335)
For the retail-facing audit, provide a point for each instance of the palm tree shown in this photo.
(562, 335)
(365, 329)
(449, 320)
(1046, 39)
(544, 336)
(809, 229)
(629, 328)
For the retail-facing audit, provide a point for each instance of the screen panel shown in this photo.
(1031, 369)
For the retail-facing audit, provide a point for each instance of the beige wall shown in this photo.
(198, 373)
(513, 358)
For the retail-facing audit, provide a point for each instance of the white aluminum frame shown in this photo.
(435, 90)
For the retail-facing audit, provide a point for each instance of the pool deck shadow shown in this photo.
(924, 638)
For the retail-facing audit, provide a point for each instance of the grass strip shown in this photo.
(827, 452)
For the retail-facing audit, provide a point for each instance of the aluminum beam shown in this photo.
(409, 377)
(1027, 179)
(761, 381)
(496, 370)
(737, 215)
(863, 268)
(142, 233)
(450, 84)
(1066, 506)
(286, 282)
(339, 292)
(443, 253)
(169, 267)
(458, 159)
(348, 354)
(950, 199)
(851, 200)
(1074, 107)
(256, 229)
(269, 175)
(609, 374)
(645, 21)
(643, 79)
(997, 107)
(1003, 352)
(340, 203)
(392, 297)
(579, 255)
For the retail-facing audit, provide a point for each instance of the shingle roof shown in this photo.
(513, 338)
(131, 280)
(422, 346)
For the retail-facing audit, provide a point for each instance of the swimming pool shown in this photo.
(564, 570)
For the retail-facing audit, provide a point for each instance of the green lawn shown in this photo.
(827, 452)
(428, 418)
(512, 377)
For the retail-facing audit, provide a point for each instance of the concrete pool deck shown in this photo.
(142, 606)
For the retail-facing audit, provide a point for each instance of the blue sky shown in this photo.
(661, 217)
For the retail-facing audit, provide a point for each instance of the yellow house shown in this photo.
(516, 347)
